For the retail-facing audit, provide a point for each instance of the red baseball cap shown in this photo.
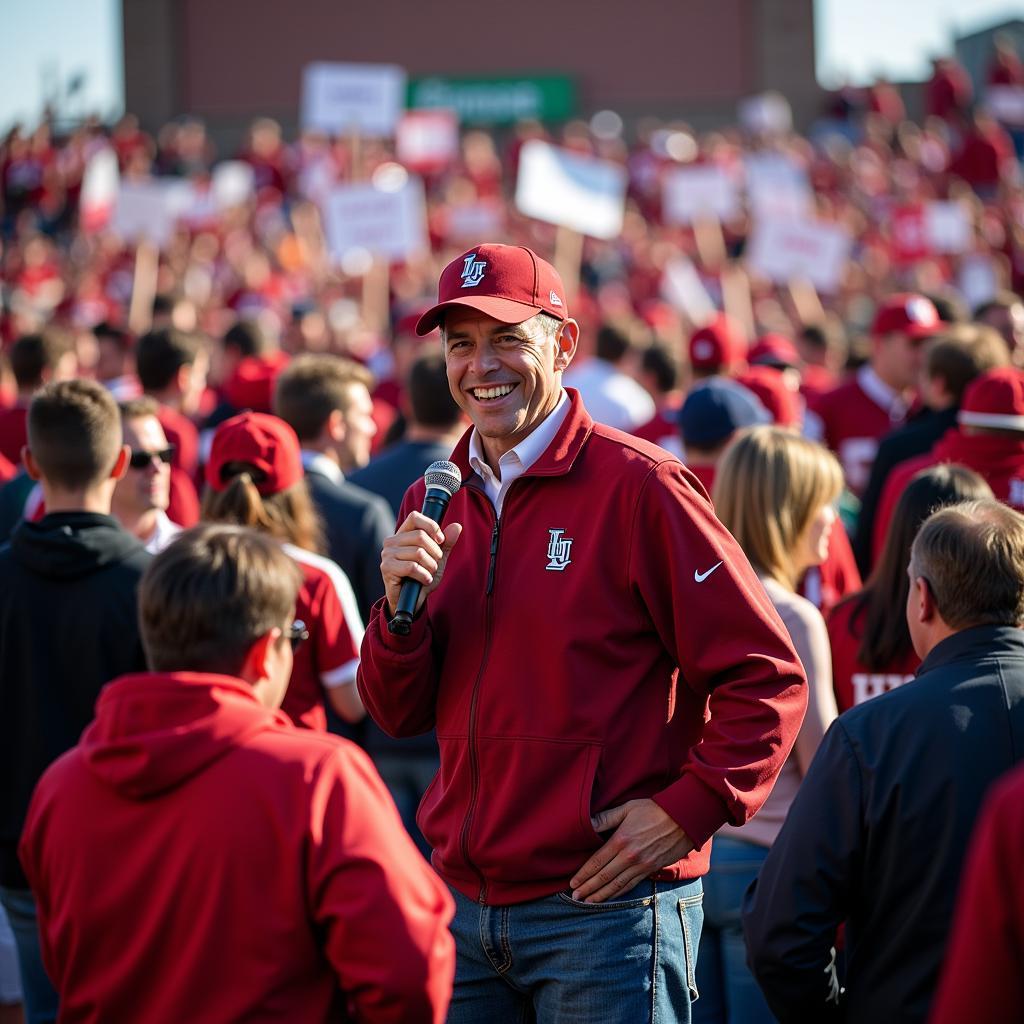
(995, 399)
(720, 343)
(508, 282)
(774, 350)
(768, 383)
(909, 314)
(265, 442)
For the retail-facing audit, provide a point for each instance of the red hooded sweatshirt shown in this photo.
(197, 858)
(998, 458)
(569, 660)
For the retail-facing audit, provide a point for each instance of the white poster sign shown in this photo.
(690, 193)
(342, 98)
(149, 210)
(388, 224)
(777, 186)
(789, 250)
(577, 192)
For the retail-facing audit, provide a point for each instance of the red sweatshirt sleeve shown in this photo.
(983, 977)
(384, 913)
(397, 678)
(713, 615)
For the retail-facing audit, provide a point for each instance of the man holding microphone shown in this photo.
(582, 611)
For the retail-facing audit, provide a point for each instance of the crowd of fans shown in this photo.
(266, 387)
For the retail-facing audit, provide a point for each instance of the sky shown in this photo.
(44, 44)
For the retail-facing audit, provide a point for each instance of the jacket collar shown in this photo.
(558, 458)
(973, 644)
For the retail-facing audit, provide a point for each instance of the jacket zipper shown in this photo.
(474, 762)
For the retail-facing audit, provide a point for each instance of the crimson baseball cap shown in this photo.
(507, 282)
(994, 399)
(909, 314)
(768, 383)
(719, 343)
(774, 350)
(265, 442)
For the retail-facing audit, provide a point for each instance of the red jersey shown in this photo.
(999, 459)
(330, 657)
(8, 470)
(852, 418)
(854, 683)
(198, 858)
(663, 430)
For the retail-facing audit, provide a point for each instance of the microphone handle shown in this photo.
(435, 504)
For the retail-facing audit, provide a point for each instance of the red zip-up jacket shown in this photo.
(568, 660)
(197, 858)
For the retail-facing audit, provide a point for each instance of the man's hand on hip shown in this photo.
(645, 840)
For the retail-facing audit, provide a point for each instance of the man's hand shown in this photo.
(645, 840)
(419, 551)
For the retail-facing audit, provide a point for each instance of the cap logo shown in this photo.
(918, 311)
(554, 299)
(472, 271)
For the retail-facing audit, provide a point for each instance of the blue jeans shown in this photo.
(728, 992)
(39, 995)
(627, 961)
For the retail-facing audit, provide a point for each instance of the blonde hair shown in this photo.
(288, 515)
(769, 486)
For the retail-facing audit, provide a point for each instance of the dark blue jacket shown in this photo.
(877, 834)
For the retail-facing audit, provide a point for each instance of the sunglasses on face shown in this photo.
(296, 633)
(143, 459)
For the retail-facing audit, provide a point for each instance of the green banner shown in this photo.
(497, 100)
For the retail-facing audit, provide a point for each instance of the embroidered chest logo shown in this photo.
(558, 551)
(472, 271)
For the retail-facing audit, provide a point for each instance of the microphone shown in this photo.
(443, 479)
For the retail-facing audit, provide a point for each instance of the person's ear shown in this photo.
(183, 378)
(566, 340)
(924, 600)
(121, 464)
(30, 464)
(335, 426)
(256, 665)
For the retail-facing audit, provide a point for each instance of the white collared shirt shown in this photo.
(516, 461)
(317, 462)
(881, 394)
(163, 533)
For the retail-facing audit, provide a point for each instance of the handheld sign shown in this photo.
(692, 193)
(786, 250)
(577, 192)
(387, 224)
(344, 99)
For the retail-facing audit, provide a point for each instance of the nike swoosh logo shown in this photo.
(700, 577)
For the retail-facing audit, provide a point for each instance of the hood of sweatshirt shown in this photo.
(997, 458)
(70, 545)
(154, 731)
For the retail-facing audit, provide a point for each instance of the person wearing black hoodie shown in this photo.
(67, 623)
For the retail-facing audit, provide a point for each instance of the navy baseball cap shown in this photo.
(717, 408)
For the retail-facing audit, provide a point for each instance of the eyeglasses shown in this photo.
(296, 633)
(143, 459)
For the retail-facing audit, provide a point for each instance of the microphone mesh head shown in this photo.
(443, 474)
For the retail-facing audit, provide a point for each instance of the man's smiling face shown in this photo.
(506, 377)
